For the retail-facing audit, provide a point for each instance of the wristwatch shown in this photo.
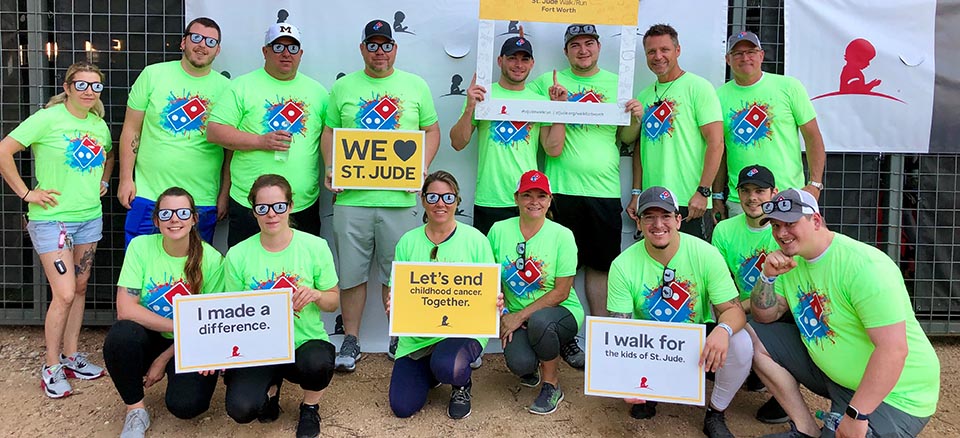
(704, 191)
(816, 184)
(852, 412)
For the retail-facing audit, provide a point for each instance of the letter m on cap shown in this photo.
(285, 29)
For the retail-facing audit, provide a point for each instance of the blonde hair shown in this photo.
(77, 67)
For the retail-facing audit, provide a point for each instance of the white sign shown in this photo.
(232, 330)
(650, 360)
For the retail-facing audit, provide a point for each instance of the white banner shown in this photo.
(649, 360)
(233, 330)
(869, 69)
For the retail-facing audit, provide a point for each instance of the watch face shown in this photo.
(705, 191)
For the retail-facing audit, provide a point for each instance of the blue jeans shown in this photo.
(411, 380)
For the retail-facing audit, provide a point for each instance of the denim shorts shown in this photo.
(46, 234)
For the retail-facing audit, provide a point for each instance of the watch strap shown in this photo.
(855, 414)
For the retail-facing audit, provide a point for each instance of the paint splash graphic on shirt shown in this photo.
(83, 153)
(380, 112)
(750, 269)
(584, 95)
(673, 302)
(159, 296)
(658, 119)
(523, 282)
(185, 115)
(812, 314)
(272, 280)
(751, 124)
(286, 114)
(509, 134)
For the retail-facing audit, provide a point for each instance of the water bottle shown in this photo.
(831, 420)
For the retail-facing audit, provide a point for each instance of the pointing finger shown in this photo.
(555, 77)
(474, 80)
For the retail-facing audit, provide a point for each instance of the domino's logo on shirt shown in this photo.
(184, 115)
(159, 296)
(380, 112)
(287, 114)
(750, 125)
(658, 120)
(84, 153)
(812, 314)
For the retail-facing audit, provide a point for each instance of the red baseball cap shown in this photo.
(533, 179)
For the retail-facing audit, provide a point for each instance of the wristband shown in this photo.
(816, 184)
(635, 192)
(726, 327)
(24, 197)
(105, 184)
(717, 196)
(768, 280)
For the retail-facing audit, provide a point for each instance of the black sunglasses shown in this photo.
(522, 251)
(783, 205)
(372, 47)
(433, 198)
(97, 87)
(165, 214)
(278, 208)
(292, 48)
(669, 275)
(433, 253)
(210, 42)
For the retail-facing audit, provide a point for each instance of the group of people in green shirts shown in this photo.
(824, 310)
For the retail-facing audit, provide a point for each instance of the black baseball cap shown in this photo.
(657, 196)
(757, 175)
(377, 28)
(516, 44)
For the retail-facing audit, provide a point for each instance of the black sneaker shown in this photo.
(572, 354)
(715, 425)
(772, 413)
(459, 406)
(792, 433)
(644, 411)
(392, 350)
(754, 384)
(349, 354)
(531, 380)
(309, 424)
(271, 411)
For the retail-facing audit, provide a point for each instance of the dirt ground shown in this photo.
(356, 404)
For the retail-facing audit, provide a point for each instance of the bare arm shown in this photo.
(108, 168)
(765, 305)
(637, 181)
(223, 198)
(719, 184)
(8, 168)
(552, 138)
(884, 367)
(129, 308)
(433, 143)
(816, 154)
(512, 321)
(236, 140)
(713, 134)
(621, 315)
(129, 148)
(461, 131)
(327, 300)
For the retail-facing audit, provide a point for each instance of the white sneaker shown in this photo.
(136, 424)
(77, 367)
(54, 382)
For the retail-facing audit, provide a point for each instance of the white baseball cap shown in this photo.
(278, 30)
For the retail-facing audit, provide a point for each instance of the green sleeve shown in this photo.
(484, 251)
(332, 118)
(105, 134)
(707, 104)
(212, 270)
(537, 86)
(131, 273)
(428, 112)
(802, 107)
(619, 297)
(139, 96)
(875, 293)
(719, 242)
(229, 109)
(566, 254)
(33, 129)
(720, 285)
(326, 275)
(233, 273)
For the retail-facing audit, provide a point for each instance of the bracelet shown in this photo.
(24, 197)
(635, 192)
(726, 327)
(105, 184)
(717, 196)
(768, 280)
(816, 184)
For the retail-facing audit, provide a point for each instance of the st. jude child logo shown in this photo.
(159, 296)
(288, 114)
(751, 124)
(380, 112)
(184, 115)
(84, 153)
(658, 119)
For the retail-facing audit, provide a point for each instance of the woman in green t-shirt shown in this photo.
(139, 346)
(539, 259)
(423, 363)
(281, 257)
(70, 144)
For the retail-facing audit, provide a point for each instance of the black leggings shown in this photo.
(540, 339)
(247, 388)
(128, 351)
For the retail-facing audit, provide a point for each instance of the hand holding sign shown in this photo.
(377, 159)
(558, 93)
(444, 299)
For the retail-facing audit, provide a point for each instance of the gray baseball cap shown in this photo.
(790, 206)
(743, 36)
(657, 196)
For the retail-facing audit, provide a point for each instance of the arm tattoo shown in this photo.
(621, 315)
(85, 262)
(763, 296)
(134, 292)
(135, 144)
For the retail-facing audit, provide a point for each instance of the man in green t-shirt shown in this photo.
(856, 340)
(507, 149)
(164, 134)
(671, 276)
(368, 223)
(270, 121)
(677, 119)
(761, 115)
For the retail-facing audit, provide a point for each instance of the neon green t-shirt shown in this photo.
(258, 103)
(850, 288)
(307, 261)
(672, 148)
(635, 284)
(590, 162)
(466, 245)
(68, 154)
(399, 101)
(505, 151)
(550, 253)
(174, 150)
(744, 249)
(159, 276)
(760, 126)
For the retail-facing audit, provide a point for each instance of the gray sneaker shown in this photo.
(77, 367)
(548, 401)
(477, 363)
(349, 354)
(572, 354)
(392, 349)
(54, 382)
(136, 424)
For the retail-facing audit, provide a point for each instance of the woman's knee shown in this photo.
(402, 405)
(122, 336)
(521, 363)
(187, 407)
(243, 409)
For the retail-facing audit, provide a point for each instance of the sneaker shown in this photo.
(459, 406)
(572, 354)
(392, 351)
(772, 413)
(271, 410)
(53, 380)
(792, 433)
(531, 380)
(754, 384)
(477, 363)
(548, 401)
(309, 424)
(715, 425)
(77, 367)
(136, 424)
(644, 411)
(349, 354)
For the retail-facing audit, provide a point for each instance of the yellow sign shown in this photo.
(606, 12)
(445, 299)
(378, 159)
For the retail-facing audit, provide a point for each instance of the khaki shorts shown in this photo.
(362, 232)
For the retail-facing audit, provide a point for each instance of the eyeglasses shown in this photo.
(165, 214)
(783, 205)
(742, 53)
(649, 219)
(669, 275)
(433, 198)
(97, 87)
(210, 42)
(522, 251)
(372, 47)
(278, 208)
(578, 29)
(292, 48)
